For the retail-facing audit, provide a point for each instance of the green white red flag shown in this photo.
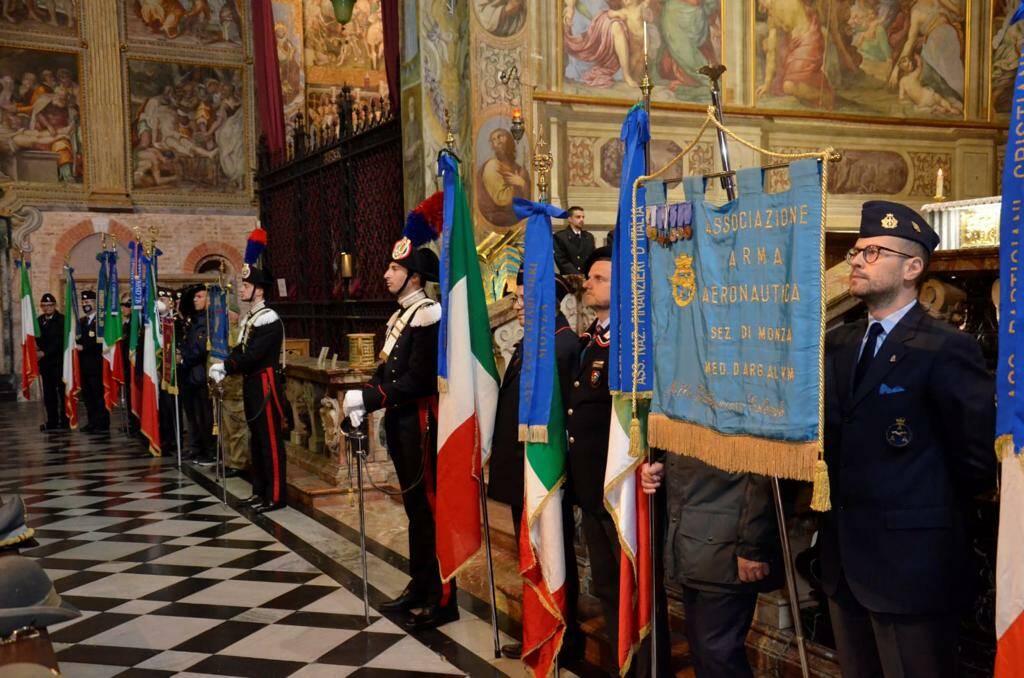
(72, 373)
(468, 383)
(112, 369)
(149, 416)
(628, 506)
(29, 332)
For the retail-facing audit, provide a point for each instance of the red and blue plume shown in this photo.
(256, 245)
(424, 223)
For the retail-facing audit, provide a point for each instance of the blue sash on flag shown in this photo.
(102, 290)
(448, 169)
(540, 307)
(218, 322)
(1009, 415)
(626, 272)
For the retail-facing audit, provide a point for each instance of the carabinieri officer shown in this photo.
(405, 386)
(258, 357)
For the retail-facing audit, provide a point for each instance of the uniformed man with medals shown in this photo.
(258, 358)
(90, 362)
(51, 363)
(909, 426)
(405, 386)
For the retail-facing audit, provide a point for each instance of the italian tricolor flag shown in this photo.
(112, 368)
(29, 332)
(149, 410)
(541, 545)
(72, 377)
(468, 384)
(627, 504)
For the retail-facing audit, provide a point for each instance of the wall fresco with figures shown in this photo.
(213, 24)
(40, 117)
(188, 127)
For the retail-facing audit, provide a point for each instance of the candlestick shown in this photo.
(645, 40)
(939, 185)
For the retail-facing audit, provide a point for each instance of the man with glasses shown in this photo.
(51, 363)
(909, 420)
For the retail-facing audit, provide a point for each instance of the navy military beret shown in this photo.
(881, 217)
(47, 299)
(88, 294)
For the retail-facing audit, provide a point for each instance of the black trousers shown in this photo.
(873, 644)
(263, 410)
(573, 636)
(53, 394)
(716, 628)
(199, 412)
(92, 394)
(417, 477)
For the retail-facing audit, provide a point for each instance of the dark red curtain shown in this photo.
(268, 78)
(392, 50)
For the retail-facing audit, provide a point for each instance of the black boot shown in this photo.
(432, 616)
(406, 600)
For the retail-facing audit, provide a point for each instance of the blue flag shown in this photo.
(218, 321)
(630, 294)
(101, 292)
(1009, 415)
(540, 307)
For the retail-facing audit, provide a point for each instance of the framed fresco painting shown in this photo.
(1006, 41)
(603, 44)
(867, 58)
(41, 126)
(215, 26)
(39, 18)
(187, 128)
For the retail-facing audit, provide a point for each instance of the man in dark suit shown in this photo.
(909, 441)
(573, 244)
(507, 453)
(51, 363)
(90, 364)
(195, 394)
(405, 386)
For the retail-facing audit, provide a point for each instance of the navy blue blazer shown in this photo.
(907, 450)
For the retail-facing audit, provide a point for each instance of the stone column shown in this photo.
(103, 87)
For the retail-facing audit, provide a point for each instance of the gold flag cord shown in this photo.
(820, 500)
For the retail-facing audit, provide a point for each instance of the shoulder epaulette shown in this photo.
(265, 316)
(427, 315)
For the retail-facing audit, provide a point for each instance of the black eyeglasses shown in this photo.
(872, 252)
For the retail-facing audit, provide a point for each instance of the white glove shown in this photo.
(353, 407)
(217, 372)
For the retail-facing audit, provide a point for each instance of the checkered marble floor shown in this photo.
(173, 582)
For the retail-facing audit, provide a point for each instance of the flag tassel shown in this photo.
(636, 443)
(821, 499)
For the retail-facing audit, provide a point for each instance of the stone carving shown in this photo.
(490, 61)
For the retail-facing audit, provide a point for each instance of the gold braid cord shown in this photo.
(774, 464)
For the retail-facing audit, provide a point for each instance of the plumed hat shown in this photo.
(422, 227)
(254, 269)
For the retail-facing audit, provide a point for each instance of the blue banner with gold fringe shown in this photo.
(737, 328)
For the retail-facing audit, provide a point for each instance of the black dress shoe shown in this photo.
(231, 472)
(267, 508)
(253, 500)
(406, 600)
(512, 650)
(88, 428)
(431, 617)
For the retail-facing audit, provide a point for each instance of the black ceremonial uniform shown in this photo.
(405, 385)
(572, 250)
(194, 392)
(906, 451)
(90, 363)
(258, 357)
(51, 367)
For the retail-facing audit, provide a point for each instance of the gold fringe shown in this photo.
(1004, 446)
(820, 498)
(533, 434)
(442, 385)
(636, 443)
(524, 433)
(734, 453)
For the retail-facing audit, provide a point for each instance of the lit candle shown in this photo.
(938, 184)
(645, 40)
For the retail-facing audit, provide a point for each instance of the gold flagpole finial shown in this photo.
(542, 161)
(449, 137)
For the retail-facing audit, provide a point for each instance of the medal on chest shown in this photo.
(899, 434)
(596, 368)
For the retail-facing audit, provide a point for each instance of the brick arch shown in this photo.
(79, 232)
(206, 249)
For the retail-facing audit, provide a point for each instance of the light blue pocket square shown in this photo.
(889, 390)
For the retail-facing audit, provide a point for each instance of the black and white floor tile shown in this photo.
(172, 582)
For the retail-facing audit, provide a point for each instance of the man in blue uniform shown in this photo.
(195, 394)
(90, 363)
(51, 363)
(909, 421)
